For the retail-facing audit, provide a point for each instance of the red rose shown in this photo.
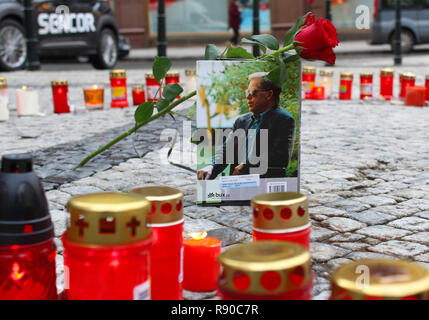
(318, 37)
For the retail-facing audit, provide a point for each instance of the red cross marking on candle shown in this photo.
(133, 224)
(82, 224)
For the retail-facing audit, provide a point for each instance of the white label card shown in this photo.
(229, 182)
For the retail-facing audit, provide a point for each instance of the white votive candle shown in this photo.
(27, 101)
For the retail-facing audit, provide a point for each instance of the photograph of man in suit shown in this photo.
(266, 120)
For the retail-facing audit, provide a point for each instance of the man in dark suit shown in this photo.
(267, 130)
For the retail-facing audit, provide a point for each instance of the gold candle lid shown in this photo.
(61, 82)
(407, 75)
(138, 87)
(346, 75)
(326, 73)
(387, 72)
(387, 279)
(166, 204)
(265, 267)
(366, 74)
(107, 218)
(3, 82)
(191, 72)
(172, 74)
(149, 75)
(308, 69)
(280, 212)
(118, 73)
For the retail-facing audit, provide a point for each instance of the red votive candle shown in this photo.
(427, 87)
(138, 95)
(415, 96)
(318, 93)
(385, 280)
(201, 269)
(152, 88)
(408, 79)
(366, 85)
(166, 255)
(346, 82)
(308, 81)
(386, 83)
(106, 247)
(118, 85)
(266, 270)
(281, 216)
(60, 89)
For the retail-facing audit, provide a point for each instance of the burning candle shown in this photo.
(266, 270)
(308, 81)
(407, 79)
(27, 250)
(346, 82)
(27, 101)
(318, 93)
(60, 89)
(200, 266)
(191, 80)
(386, 280)
(138, 95)
(366, 85)
(166, 255)
(281, 216)
(153, 88)
(386, 83)
(118, 85)
(326, 81)
(94, 96)
(106, 247)
(4, 100)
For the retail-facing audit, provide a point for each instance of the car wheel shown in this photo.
(407, 41)
(13, 47)
(107, 51)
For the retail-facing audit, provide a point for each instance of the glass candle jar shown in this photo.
(106, 247)
(118, 85)
(191, 78)
(318, 93)
(386, 83)
(4, 100)
(427, 87)
(385, 280)
(153, 88)
(326, 81)
(408, 79)
(60, 89)
(94, 96)
(308, 81)
(166, 255)
(366, 85)
(266, 270)
(27, 101)
(346, 83)
(138, 95)
(281, 216)
(172, 77)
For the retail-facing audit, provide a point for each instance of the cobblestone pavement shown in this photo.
(363, 168)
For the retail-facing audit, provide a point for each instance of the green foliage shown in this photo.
(267, 40)
(211, 53)
(161, 104)
(160, 67)
(171, 91)
(238, 52)
(143, 112)
(290, 35)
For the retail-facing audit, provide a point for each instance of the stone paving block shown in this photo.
(199, 225)
(343, 224)
(399, 213)
(230, 219)
(228, 236)
(420, 237)
(244, 226)
(77, 190)
(348, 205)
(354, 246)
(409, 193)
(200, 212)
(421, 204)
(318, 217)
(320, 234)
(59, 220)
(370, 217)
(346, 237)
(338, 174)
(368, 255)
(423, 214)
(58, 196)
(411, 223)
(322, 252)
(327, 211)
(376, 201)
(383, 232)
(315, 200)
(335, 263)
(401, 249)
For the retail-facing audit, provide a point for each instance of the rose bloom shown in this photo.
(318, 37)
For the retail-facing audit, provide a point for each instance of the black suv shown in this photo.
(65, 28)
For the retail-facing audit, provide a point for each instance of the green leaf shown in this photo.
(161, 104)
(212, 53)
(172, 91)
(160, 67)
(290, 35)
(261, 46)
(238, 52)
(274, 76)
(290, 58)
(267, 40)
(192, 112)
(143, 112)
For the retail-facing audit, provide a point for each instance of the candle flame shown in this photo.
(197, 235)
(16, 275)
(94, 86)
(24, 87)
